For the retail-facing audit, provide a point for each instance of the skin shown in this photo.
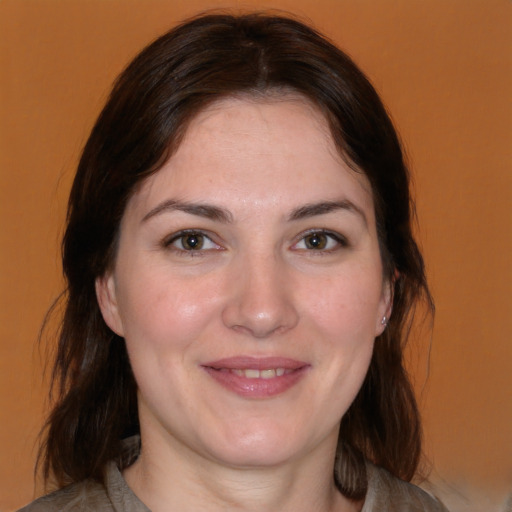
(267, 281)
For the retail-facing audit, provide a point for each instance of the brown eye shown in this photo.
(320, 241)
(191, 242)
(316, 241)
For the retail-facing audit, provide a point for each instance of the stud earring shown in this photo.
(384, 321)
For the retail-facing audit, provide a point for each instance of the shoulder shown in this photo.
(82, 496)
(390, 494)
(112, 496)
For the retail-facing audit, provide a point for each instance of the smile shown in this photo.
(257, 377)
(269, 373)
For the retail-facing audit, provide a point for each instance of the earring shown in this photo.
(384, 321)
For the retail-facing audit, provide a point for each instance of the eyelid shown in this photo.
(169, 240)
(340, 239)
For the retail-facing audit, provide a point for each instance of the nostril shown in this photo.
(260, 302)
(260, 325)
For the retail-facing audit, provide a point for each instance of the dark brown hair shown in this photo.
(205, 59)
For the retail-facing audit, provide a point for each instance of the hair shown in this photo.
(201, 61)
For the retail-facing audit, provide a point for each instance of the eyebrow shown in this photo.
(314, 209)
(216, 213)
(206, 211)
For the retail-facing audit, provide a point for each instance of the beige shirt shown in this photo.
(385, 493)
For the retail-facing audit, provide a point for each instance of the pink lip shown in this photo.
(220, 371)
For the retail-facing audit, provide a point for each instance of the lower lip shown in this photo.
(256, 388)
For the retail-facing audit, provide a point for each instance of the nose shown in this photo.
(261, 299)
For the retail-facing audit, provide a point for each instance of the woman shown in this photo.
(241, 274)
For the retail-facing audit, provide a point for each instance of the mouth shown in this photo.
(251, 377)
(249, 373)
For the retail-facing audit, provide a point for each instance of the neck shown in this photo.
(171, 477)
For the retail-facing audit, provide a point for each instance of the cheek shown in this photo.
(342, 319)
(345, 321)
(164, 312)
(347, 305)
(164, 326)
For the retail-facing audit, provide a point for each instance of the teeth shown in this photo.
(267, 374)
(259, 374)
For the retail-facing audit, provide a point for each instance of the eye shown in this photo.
(320, 241)
(191, 241)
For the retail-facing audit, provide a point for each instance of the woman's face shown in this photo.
(248, 286)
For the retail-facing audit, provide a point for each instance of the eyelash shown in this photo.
(192, 252)
(338, 239)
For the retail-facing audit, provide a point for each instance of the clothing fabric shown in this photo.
(386, 493)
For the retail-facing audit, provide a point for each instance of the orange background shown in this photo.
(444, 69)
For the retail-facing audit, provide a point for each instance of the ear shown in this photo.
(107, 301)
(386, 304)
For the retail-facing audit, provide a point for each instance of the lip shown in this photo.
(221, 371)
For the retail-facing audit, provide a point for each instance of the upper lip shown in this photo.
(255, 363)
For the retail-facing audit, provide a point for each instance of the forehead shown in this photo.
(261, 148)
(269, 124)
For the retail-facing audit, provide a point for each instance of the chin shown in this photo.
(258, 444)
(253, 455)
